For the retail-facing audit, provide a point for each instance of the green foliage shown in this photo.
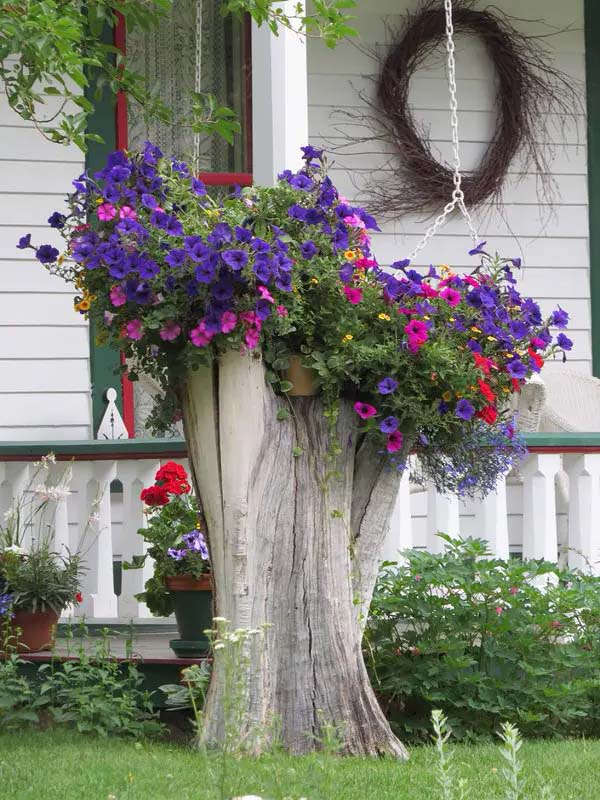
(55, 48)
(92, 693)
(486, 641)
(40, 579)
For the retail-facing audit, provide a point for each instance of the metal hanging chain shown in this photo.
(458, 197)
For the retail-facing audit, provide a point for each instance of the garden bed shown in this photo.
(48, 764)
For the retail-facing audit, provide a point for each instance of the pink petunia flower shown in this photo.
(106, 211)
(428, 291)
(353, 296)
(134, 329)
(354, 221)
(199, 336)
(265, 293)
(415, 342)
(127, 212)
(109, 317)
(471, 281)
(118, 296)
(365, 263)
(364, 410)
(169, 331)
(228, 321)
(282, 311)
(248, 317)
(394, 442)
(451, 296)
(252, 337)
(416, 328)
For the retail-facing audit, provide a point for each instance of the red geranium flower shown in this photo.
(155, 496)
(79, 597)
(170, 471)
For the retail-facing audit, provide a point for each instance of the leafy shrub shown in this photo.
(19, 702)
(486, 641)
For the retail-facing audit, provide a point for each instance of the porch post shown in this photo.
(279, 100)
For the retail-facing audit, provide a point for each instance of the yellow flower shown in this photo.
(314, 280)
(447, 396)
(491, 338)
(212, 213)
(475, 329)
(82, 306)
(350, 255)
(348, 338)
(506, 390)
(386, 317)
(61, 259)
(458, 395)
(452, 319)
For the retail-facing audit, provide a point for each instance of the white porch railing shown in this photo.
(550, 510)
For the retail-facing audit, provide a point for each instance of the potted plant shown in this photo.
(37, 583)
(181, 582)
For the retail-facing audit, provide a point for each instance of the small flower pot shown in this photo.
(192, 600)
(303, 379)
(36, 630)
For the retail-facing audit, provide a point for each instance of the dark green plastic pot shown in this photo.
(192, 599)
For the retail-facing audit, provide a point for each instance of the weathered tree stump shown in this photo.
(294, 546)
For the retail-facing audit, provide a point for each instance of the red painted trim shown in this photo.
(247, 122)
(591, 448)
(43, 657)
(121, 136)
(226, 178)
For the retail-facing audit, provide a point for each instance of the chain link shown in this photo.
(458, 197)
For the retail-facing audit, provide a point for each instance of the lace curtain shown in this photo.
(194, 49)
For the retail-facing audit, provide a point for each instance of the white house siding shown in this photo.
(553, 240)
(44, 349)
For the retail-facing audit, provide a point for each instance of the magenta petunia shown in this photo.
(353, 296)
(364, 410)
(415, 328)
(199, 336)
(265, 293)
(416, 342)
(126, 212)
(394, 442)
(134, 329)
(451, 296)
(282, 311)
(118, 296)
(106, 212)
(252, 337)
(169, 331)
(228, 321)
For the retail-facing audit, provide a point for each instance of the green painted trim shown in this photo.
(558, 440)
(104, 361)
(592, 62)
(118, 448)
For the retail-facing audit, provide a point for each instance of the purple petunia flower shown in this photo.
(260, 246)
(478, 250)
(148, 268)
(516, 369)
(220, 235)
(236, 259)
(198, 187)
(222, 290)
(242, 234)
(464, 410)
(173, 226)
(308, 249)
(138, 292)
(284, 282)
(57, 220)
(24, 242)
(262, 270)
(309, 152)
(387, 386)
(296, 212)
(564, 342)
(560, 318)
(205, 272)
(346, 272)
(46, 254)
(149, 201)
(388, 425)
(303, 182)
(176, 257)
(401, 264)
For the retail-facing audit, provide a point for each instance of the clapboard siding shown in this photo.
(44, 348)
(550, 234)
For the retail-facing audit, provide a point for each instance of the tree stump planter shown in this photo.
(192, 600)
(295, 542)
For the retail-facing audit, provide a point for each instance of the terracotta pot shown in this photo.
(192, 601)
(304, 379)
(37, 630)
(186, 583)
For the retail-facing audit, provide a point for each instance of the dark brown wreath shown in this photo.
(529, 87)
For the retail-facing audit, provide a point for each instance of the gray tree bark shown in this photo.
(294, 546)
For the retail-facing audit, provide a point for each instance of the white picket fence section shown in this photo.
(550, 510)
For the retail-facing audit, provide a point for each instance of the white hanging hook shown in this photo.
(458, 196)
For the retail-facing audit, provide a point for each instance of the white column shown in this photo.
(584, 511)
(279, 100)
(539, 506)
(442, 517)
(400, 535)
(491, 519)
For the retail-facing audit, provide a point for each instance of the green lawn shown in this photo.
(65, 766)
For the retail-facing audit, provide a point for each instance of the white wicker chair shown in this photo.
(573, 402)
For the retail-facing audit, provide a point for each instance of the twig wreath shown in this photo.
(529, 86)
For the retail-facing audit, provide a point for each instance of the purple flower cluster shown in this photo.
(194, 543)
(5, 604)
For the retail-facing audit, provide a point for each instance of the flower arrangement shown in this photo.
(175, 278)
(33, 575)
(177, 545)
